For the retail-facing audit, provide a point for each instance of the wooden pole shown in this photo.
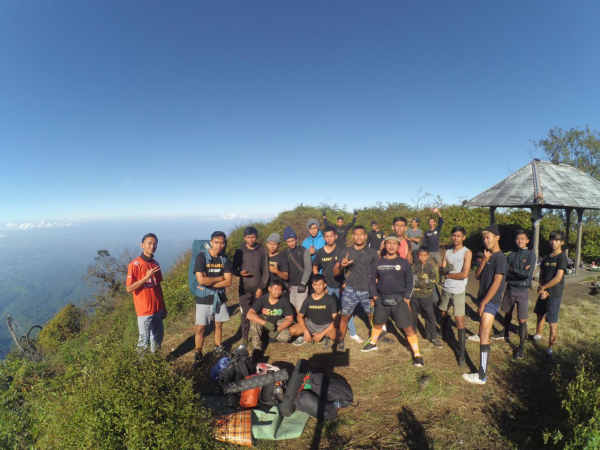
(568, 211)
(492, 215)
(536, 217)
(579, 237)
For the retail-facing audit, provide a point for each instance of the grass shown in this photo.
(399, 406)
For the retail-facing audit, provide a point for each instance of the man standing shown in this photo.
(518, 281)
(359, 269)
(456, 267)
(314, 241)
(316, 319)
(341, 229)
(426, 277)
(399, 227)
(491, 274)
(143, 281)
(394, 289)
(550, 290)
(250, 264)
(431, 239)
(278, 263)
(327, 262)
(375, 237)
(272, 315)
(414, 236)
(299, 268)
(212, 271)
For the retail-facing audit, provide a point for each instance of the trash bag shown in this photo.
(338, 389)
(308, 402)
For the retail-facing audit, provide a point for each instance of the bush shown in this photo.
(66, 324)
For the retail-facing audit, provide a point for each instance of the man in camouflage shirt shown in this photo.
(426, 276)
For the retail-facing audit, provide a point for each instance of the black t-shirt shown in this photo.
(280, 262)
(319, 311)
(216, 267)
(548, 268)
(325, 263)
(394, 277)
(431, 238)
(275, 312)
(374, 239)
(497, 265)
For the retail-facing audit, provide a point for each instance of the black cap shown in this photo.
(250, 230)
(493, 229)
(374, 222)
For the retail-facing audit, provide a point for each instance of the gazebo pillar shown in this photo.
(536, 217)
(568, 212)
(579, 237)
(492, 215)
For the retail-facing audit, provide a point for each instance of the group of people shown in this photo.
(309, 292)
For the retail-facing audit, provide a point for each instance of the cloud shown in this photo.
(2, 236)
(25, 226)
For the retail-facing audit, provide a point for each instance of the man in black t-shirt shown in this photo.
(491, 274)
(431, 239)
(340, 229)
(316, 319)
(299, 268)
(272, 314)
(278, 262)
(375, 236)
(550, 291)
(214, 274)
(394, 289)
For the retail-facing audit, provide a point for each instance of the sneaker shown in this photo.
(218, 350)
(498, 336)
(473, 378)
(299, 341)
(473, 338)
(357, 338)
(519, 353)
(369, 347)
(326, 342)
(418, 361)
(536, 337)
(340, 346)
(437, 342)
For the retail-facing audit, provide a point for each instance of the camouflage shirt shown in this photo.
(426, 276)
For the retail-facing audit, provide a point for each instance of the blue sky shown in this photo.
(121, 109)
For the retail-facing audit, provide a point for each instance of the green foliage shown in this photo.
(178, 298)
(66, 324)
(581, 403)
(15, 422)
(590, 247)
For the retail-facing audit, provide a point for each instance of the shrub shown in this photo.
(66, 324)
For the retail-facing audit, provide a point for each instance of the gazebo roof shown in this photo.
(545, 184)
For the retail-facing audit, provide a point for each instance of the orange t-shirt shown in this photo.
(147, 299)
(403, 249)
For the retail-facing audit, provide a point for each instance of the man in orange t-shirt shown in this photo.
(143, 281)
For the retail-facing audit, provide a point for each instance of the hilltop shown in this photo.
(92, 390)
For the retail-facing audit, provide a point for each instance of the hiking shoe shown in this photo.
(499, 336)
(418, 361)
(536, 337)
(519, 353)
(357, 338)
(473, 338)
(473, 378)
(299, 341)
(437, 342)
(326, 342)
(197, 359)
(340, 346)
(369, 347)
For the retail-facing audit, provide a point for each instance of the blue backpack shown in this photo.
(202, 246)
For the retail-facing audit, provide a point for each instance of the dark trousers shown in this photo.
(246, 301)
(424, 306)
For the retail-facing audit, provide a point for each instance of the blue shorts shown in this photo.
(491, 308)
(351, 299)
(549, 307)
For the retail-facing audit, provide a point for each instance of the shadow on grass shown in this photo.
(412, 431)
(531, 403)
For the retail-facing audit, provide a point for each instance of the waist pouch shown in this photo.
(389, 301)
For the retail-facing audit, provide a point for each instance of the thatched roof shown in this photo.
(545, 184)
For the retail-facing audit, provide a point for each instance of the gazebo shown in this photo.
(544, 185)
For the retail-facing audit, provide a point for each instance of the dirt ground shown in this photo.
(399, 406)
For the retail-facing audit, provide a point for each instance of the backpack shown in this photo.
(202, 246)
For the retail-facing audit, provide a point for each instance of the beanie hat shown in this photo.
(250, 230)
(274, 237)
(311, 222)
(289, 233)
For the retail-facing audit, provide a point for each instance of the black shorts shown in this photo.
(549, 307)
(516, 296)
(400, 313)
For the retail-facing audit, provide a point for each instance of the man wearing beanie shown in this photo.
(491, 274)
(315, 239)
(299, 268)
(250, 264)
(278, 264)
(340, 229)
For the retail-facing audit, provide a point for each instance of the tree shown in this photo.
(578, 147)
(108, 274)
